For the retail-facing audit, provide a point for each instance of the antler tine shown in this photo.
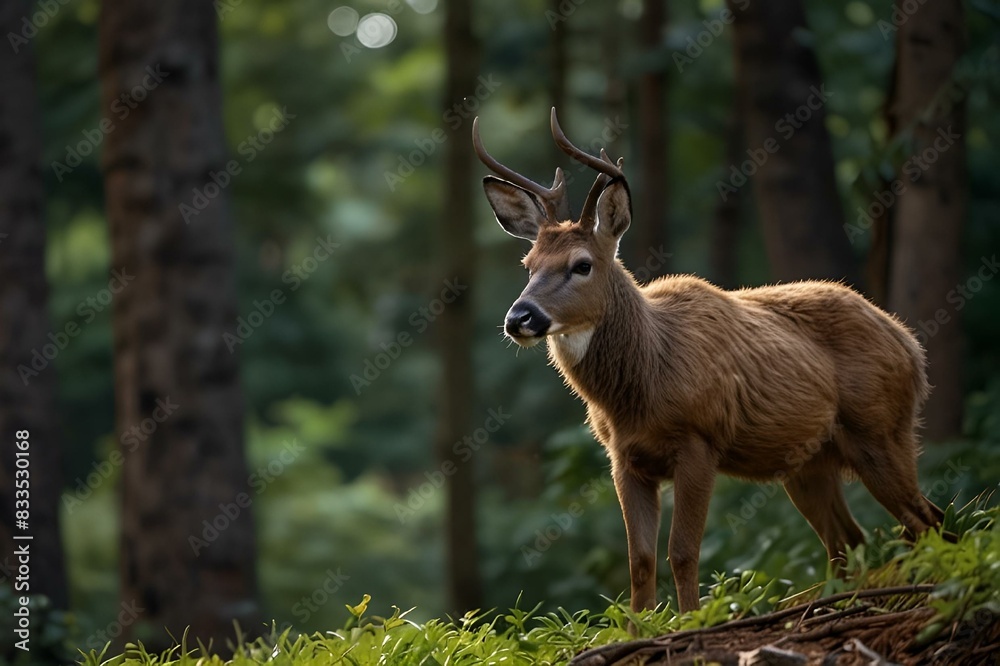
(606, 169)
(602, 164)
(552, 198)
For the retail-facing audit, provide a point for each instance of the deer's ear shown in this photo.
(614, 209)
(518, 211)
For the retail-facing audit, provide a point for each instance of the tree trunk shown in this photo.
(27, 386)
(725, 231)
(615, 102)
(788, 156)
(927, 109)
(457, 320)
(558, 68)
(881, 217)
(652, 200)
(879, 254)
(178, 401)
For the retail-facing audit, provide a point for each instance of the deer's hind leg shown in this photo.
(816, 491)
(888, 468)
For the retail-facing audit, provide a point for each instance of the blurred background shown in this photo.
(251, 293)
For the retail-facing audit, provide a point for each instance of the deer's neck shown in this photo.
(608, 363)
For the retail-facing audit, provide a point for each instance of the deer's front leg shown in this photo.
(640, 501)
(694, 476)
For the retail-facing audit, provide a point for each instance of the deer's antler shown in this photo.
(554, 199)
(607, 169)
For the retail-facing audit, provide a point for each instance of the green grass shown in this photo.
(966, 575)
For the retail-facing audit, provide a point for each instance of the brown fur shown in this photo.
(798, 383)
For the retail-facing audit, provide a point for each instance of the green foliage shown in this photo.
(334, 507)
(314, 522)
(967, 574)
(52, 631)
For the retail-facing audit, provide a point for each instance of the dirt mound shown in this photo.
(881, 627)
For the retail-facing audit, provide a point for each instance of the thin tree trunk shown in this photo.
(457, 320)
(879, 254)
(929, 213)
(788, 155)
(615, 91)
(559, 68)
(174, 374)
(27, 382)
(725, 230)
(882, 218)
(652, 202)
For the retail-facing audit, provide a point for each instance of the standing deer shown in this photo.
(803, 383)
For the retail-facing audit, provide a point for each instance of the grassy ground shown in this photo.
(958, 586)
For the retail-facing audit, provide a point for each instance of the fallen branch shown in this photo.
(610, 654)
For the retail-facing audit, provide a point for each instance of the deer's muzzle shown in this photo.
(526, 320)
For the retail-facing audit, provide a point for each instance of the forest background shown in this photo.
(358, 424)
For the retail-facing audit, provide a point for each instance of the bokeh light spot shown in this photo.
(343, 21)
(376, 30)
(422, 6)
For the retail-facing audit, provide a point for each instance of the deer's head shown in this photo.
(571, 261)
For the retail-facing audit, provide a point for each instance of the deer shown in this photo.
(806, 383)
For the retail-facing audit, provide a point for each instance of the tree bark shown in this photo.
(174, 373)
(652, 201)
(725, 230)
(615, 100)
(878, 260)
(927, 109)
(879, 254)
(27, 393)
(558, 68)
(457, 321)
(788, 156)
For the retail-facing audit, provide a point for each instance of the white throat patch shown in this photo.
(570, 348)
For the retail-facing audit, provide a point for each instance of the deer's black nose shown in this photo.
(526, 320)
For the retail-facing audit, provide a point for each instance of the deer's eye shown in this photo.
(582, 268)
